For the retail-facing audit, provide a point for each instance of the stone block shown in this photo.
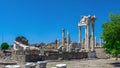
(41, 64)
(61, 66)
(12, 66)
(29, 65)
(91, 55)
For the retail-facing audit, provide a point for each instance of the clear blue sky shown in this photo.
(43, 20)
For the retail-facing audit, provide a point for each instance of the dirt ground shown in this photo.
(84, 63)
(94, 63)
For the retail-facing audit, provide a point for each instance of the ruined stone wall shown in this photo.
(21, 56)
(100, 53)
(20, 59)
(66, 55)
(26, 56)
(52, 56)
(34, 58)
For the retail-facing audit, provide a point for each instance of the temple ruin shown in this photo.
(65, 50)
(87, 21)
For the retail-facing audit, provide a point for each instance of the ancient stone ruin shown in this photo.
(66, 50)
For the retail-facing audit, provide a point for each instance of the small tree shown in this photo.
(111, 35)
(4, 46)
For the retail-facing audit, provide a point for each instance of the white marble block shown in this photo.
(29, 65)
(12, 66)
(61, 66)
(41, 64)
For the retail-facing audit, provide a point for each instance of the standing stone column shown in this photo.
(85, 45)
(88, 38)
(80, 36)
(63, 37)
(100, 42)
(58, 43)
(68, 41)
(93, 41)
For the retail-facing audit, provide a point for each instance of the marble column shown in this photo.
(93, 41)
(68, 41)
(100, 42)
(85, 45)
(80, 37)
(58, 43)
(88, 38)
(63, 37)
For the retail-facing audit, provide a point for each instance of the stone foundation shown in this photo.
(91, 55)
(19, 59)
(34, 58)
(66, 55)
(100, 53)
(23, 57)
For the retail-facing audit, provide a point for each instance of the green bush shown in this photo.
(111, 37)
(4, 46)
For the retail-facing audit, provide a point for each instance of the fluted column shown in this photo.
(93, 40)
(80, 36)
(88, 38)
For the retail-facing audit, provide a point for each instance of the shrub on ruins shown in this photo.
(22, 40)
(111, 36)
(4, 46)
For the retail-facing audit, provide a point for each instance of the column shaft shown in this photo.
(63, 37)
(100, 43)
(85, 45)
(93, 40)
(80, 36)
(68, 41)
(88, 38)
